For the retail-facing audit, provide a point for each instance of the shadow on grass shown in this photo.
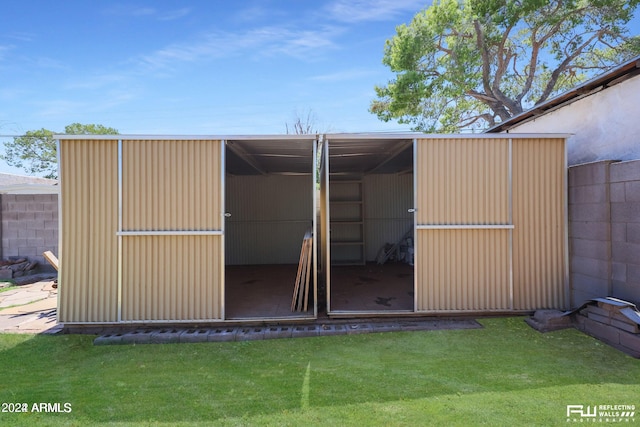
(216, 381)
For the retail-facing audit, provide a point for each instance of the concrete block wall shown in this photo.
(29, 226)
(604, 231)
(625, 230)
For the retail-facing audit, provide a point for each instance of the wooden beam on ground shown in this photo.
(300, 298)
(51, 259)
(309, 265)
(298, 275)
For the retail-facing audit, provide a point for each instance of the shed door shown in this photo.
(171, 230)
(325, 258)
(463, 225)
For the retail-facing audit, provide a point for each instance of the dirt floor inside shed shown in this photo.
(265, 291)
(372, 287)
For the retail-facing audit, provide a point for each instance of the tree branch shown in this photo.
(562, 67)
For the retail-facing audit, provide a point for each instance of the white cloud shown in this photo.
(21, 36)
(344, 75)
(127, 10)
(252, 14)
(4, 49)
(59, 108)
(142, 12)
(265, 41)
(172, 15)
(372, 10)
(96, 81)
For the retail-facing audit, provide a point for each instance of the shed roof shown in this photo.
(351, 153)
(20, 184)
(612, 77)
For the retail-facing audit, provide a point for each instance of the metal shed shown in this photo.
(482, 219)
(166, 228)
(198, 229)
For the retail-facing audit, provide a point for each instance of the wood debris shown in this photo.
(18, 267)
(300, 300)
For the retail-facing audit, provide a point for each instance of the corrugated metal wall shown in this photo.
(89, 222)
(172, 186)
(491, 224)
(323, 207)
(168, 226)
(539, 236)
(388, 198)
(463, 270)
(490, 215)
(462, 183)
(171, 278)
(267, 208)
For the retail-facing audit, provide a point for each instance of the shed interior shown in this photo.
(370, 199)
(269, 206)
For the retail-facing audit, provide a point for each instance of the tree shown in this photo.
(36, 153)
(473, 63)
(303, 126)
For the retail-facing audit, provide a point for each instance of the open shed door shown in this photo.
(171, 230)
(270, 205)
(325, 258)
(368, 196)
(463, 225)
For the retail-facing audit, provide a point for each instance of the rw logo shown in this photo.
(606, 413)
(580, 411)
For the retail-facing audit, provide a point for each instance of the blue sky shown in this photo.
(195, 67)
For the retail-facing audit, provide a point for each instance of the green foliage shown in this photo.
(474, 63)
(90, 129)
(505, 374)
(36, 152)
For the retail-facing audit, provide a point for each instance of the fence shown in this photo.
(29, 226)
(604, 230)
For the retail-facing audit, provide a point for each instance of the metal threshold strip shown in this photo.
(368, 313)
(311, 316)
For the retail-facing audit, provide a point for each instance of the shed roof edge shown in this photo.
(329, 136)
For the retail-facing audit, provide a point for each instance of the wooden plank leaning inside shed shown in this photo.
(51, 259)
(300, 298)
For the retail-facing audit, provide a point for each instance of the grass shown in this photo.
(11, 287)
(505, 374)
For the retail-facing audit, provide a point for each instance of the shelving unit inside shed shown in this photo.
(367, 194)
(347, 222)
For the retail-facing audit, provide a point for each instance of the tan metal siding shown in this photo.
(171, 278)
(89, 246)
(171, 185)
(269, 217)
(463, 181)
(539, 201)
(324, 208)
(388, 198)
(463, 270)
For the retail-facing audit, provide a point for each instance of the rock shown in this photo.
(549, 320)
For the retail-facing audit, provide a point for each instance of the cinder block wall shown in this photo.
(29, 226)
(604, 231)
(625, 230)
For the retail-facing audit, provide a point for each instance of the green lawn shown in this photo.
(504, 374)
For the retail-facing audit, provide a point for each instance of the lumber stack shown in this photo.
(300, 300)
(17, 267)
(614, 321)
